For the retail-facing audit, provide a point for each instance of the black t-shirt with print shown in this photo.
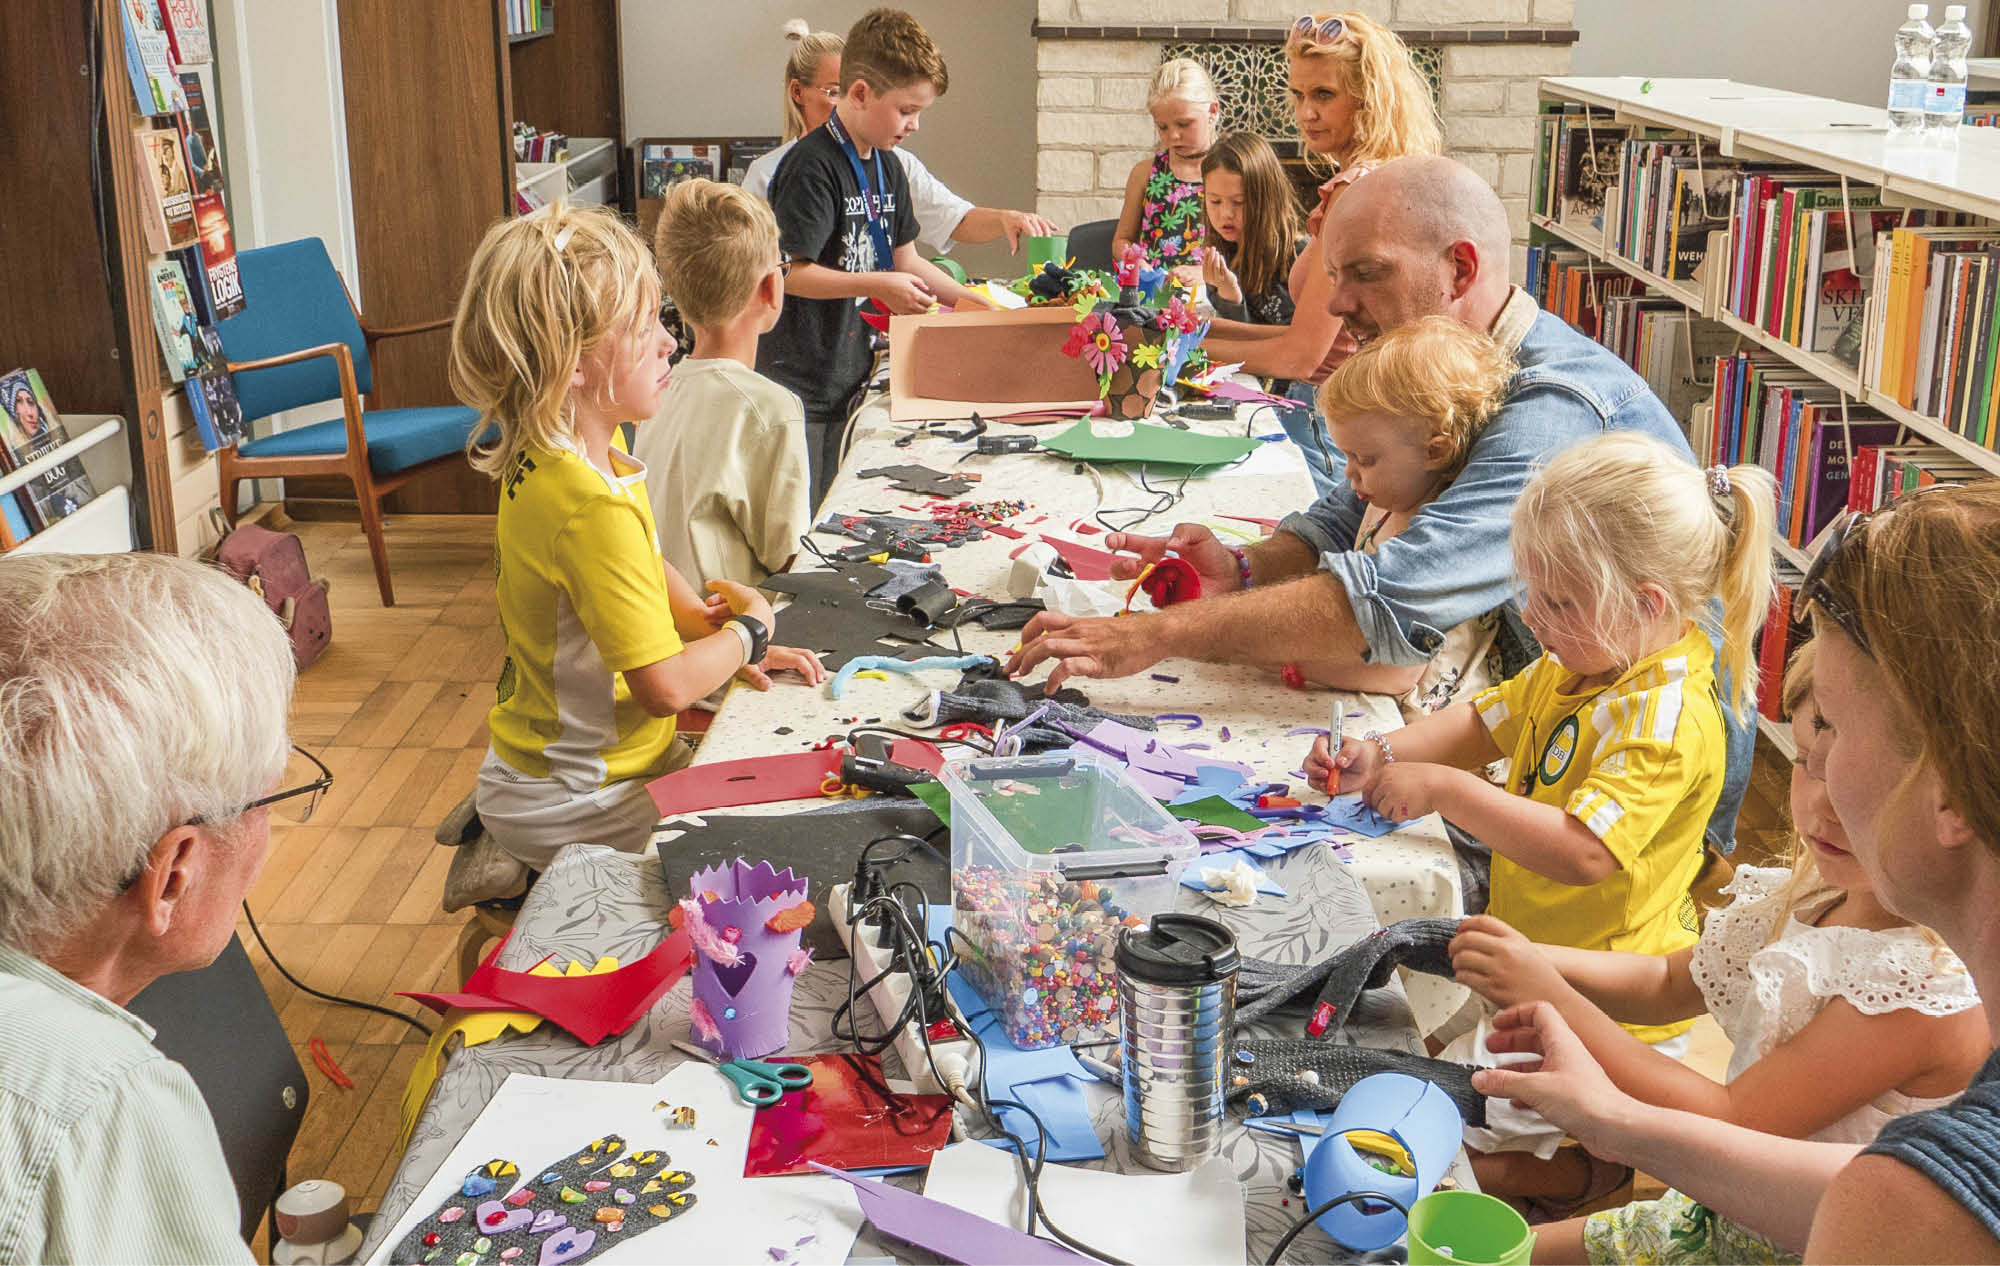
(820, 347)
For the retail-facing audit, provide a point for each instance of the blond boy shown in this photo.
(726, 451)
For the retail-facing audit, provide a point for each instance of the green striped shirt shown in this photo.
(107, 1152)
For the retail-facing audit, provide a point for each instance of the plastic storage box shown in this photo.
(1051, 856)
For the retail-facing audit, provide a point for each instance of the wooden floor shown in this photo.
(349, 902)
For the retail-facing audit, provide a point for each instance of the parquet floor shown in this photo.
(349, 901)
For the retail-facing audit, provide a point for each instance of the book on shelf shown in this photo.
(1933, 322)
(204, 160)
(663, 164)
(166, 199)
(1700, 207)
(211, 396)
(223, 281)
(1579, 164)
(529, 17)
(149, 58)
(30, 430)
(174, 318)
(187, 31)
(1787, 627)
(745, 150)
(531, 146)
(1884, 472)
(1569, 283)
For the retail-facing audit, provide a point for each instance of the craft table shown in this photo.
(1408, 874)
(594, 901)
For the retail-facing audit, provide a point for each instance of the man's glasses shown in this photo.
(1329, 31)
(306, 780)
(785, 263)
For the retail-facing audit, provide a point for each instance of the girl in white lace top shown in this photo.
(1842, 1015)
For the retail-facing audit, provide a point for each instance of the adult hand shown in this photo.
(1215, 271)
(1494, 960)
(1087, 647)
(1213, 561)
(1567, 1086)
(1019, 224)
(1406, 789)
(1357, 762)
(778, 659)
(904, 294)
(744, 600)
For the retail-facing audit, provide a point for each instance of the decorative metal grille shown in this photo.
(1251, 80)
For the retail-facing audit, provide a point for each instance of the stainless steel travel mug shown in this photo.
(1177, 1001)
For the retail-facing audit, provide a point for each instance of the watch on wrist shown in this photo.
(759, 636)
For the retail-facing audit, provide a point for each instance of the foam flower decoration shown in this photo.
(1179, 316)
(1103, 347)
(1146, 355)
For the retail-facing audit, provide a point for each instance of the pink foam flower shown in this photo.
(1102, 346)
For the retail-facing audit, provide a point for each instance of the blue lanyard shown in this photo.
(871, 202)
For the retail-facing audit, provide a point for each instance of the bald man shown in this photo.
(1416, 237)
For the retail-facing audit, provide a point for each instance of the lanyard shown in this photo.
(871, 202)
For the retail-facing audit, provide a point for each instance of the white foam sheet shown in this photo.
(1143, 1218)
(535, 1120)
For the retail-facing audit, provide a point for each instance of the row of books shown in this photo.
(1934, 325)
(533, 146)
(1649, 197)
(1574, 286)
(529, 17)
(30, 428)
(161, 37)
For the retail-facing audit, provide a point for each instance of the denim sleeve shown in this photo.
(1453, 562)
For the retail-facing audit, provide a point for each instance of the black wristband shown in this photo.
(760, 637)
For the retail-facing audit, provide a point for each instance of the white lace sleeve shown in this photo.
(1731, 936)
(1876, 972)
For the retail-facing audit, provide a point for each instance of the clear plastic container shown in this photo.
(1051, 857)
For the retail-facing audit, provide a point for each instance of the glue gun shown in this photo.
(867, 764)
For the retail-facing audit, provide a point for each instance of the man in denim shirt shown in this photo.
(1418, 236)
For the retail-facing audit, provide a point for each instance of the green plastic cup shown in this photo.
(1467, 1228)
(1053, 249)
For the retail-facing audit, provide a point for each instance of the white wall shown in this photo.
(1829, 48)
(694, 69)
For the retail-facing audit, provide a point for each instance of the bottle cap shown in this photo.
(1920, 10)
(1954, 13)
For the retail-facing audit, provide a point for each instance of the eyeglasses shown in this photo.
(306, 780)
(785, 262)
(831, 94)
(1330, 31)
(1849, 535)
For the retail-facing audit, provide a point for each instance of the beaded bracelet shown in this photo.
(1388, 753)
(1242, 566)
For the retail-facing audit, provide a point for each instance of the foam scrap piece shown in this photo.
(948, 1231)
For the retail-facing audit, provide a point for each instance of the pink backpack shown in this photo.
(273, 565)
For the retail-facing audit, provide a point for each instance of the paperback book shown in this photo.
(167, 201)
(32, 429)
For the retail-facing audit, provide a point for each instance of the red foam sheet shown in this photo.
(849, 1119)
(767, 779)
(1084, 562)
(590, 1007)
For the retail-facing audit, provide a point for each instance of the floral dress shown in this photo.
(1170, 224)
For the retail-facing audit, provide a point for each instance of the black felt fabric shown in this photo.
(921, 479)
(1277, 1063)
(822, 845)
(997, 701)
(832, 614)
(1419, 944)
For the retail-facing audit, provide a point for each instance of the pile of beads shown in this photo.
(1041, 954)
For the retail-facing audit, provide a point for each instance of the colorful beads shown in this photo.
(1045, 952)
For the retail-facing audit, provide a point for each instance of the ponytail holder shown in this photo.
(1718, 480)
(567, 231)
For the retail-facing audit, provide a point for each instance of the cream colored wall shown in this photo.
(692, 69)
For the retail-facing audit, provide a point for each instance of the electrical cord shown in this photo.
(330, 997)
(1313, 1215)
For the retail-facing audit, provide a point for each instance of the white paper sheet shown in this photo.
(534, 1120)
(1142, 1218)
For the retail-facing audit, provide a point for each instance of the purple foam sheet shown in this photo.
(745, 923)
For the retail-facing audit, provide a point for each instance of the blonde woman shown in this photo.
(812, 86)
(558, 342)
(1359, 101)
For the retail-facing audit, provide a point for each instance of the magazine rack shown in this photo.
(104, 524)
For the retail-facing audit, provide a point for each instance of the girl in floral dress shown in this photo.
(1163, 194)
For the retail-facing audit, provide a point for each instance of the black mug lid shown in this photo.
(1178, 949)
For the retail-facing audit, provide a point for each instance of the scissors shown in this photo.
(757, 1083)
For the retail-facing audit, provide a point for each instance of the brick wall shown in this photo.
(1095, 59)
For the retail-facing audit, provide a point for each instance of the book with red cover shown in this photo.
(218, 257)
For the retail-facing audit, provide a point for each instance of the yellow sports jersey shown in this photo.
(1640, 763)
(583, 598)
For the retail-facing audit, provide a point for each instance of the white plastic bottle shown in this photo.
(1909, 78)
(1944, 104)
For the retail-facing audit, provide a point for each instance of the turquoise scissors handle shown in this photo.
(762, 1084)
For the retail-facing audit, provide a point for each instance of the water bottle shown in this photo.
(1909, 78)
(1944, 104)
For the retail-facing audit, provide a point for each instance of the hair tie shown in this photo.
(1718, 480)
(564, 233)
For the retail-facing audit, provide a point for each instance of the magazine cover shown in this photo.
(746, 150)
(169, 201)
(174, 317)
(663, 166)
(31, 428)
(204, 161)
(218, 257)
(149, 58)
(211, 395)
(187, 28)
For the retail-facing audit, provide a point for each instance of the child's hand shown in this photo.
(1494, 960)
(1215, 271)
(778, 659)
(1358, 763)
(904, 294)
(1405, 789)
(1019, 224)
(744, 600)
(716, 607)
(1189, 275)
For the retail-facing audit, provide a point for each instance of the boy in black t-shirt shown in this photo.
(845, 219)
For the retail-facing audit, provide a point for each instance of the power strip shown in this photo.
(889, 996)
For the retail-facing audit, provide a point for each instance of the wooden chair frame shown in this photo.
(369, 487)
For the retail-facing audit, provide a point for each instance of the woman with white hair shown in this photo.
(143, 703)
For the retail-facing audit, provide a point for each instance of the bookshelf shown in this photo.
(1836, 139)
(589, 174)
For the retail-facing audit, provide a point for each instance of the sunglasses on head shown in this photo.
(1319, 32)
(1850, 534)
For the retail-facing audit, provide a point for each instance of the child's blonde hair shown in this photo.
(809, 49)
(1182, 79)
(541, 295)
(1621, 511)
(713, 244)
(1395, 113)
(1436, 369)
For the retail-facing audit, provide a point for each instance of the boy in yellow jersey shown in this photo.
(557, 342)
